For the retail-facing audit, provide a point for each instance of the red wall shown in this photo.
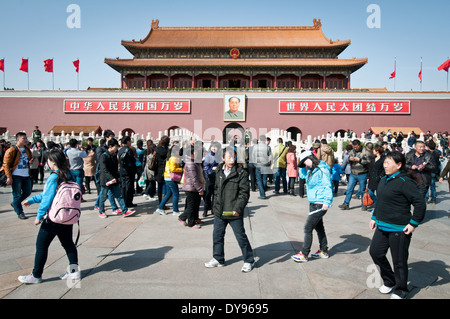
(24, 110)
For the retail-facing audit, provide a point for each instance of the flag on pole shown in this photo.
(76, 63)
(395, 69)
(444, 66)
(420, 72)
(24, 65)
(48, 65)
(2, 65)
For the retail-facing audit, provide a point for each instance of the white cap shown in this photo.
(303, 157)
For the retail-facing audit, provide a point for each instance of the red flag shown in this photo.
(48, 65)
(76, 63)
(24, 65)
(420, 73)
(2, 65)
(395, 68)
(444, 66)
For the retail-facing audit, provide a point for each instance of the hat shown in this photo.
(303, 156)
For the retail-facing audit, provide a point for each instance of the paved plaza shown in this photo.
(153, 256)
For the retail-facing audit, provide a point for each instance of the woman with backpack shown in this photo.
(49, 229)
(320, 196)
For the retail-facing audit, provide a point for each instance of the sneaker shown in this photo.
(174, 213)
(196, 226)
(129, 213)
(248, 267)
(29, 279)
(117, 212)
(213, 263)
(160, 211)
(199, 221)
(262, 197)
(146, 196)
(71, 275)
(182, 221)
(102, 215)
(385, 289)
(395, 296)
(152, 199)
(300, 258)
(344, 207)
(320, 254)
(22, 216)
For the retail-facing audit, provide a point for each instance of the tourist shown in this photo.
(411, 139)
(34, 171)
(262, 158)
(210, 164)
(149, 173)
(336, 175)
(279, 166)
(41, 159)
(325, 153)
(359, 159)
(16, 165)
(420, 165)
(127, 170)
(110, 179)
(161, 155)
(376, 171)
(172, 165)
(89, 167)
(436, 154)
(37, 135)
(76, 155)
(291, 167)
(251, 166)
(194, 185)
(140, 162)
(49, 230)
(231, 195)
(99, 151)
(345, 162)
(320, 196)
(394, 224)
(444, 173)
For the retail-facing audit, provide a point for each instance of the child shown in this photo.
(49, 230)
(336, 176)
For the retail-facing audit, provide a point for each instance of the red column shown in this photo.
(299, 81)
(251, 81)
(275, 82)
(169, 85)
(348, 82)
(145, 81)
(217, 80)
(324, 82)
(193, 80)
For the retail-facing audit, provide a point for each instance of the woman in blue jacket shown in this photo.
(320, 196)
(49, 230)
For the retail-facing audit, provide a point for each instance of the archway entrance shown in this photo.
(127, 132)
(232, 131)
(294, 131)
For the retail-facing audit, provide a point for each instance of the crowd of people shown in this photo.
(224, 178)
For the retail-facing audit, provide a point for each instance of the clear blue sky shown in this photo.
(409, 30)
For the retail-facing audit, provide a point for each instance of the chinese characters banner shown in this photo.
(127, 106)
(344, 107)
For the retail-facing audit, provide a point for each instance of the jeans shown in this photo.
(127, 188)
(361, 179)
(280, 172)
(171, 189)
(78, 176)
(398, 243)
(210, 180)
(373, 196)
(47, 232)
(261, 180)
(111, 198)
(432, 187)
(116, 193)
(150, 189)
(239, 232)
(314, 222)
(21, 189)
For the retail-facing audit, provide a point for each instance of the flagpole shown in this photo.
(53, 75)
(421, 75)
(395, 70)
(4, 85)
(28, 73)
(447, 78)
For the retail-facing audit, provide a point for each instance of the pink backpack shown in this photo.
(66, 205)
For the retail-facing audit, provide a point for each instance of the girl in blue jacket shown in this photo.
(320, 196)
(49, 230)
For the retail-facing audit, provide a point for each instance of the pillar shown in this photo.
(324, 81)
(348, 81)
(300, 81)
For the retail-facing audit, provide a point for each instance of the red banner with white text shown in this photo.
(344, 107)
(127, 106)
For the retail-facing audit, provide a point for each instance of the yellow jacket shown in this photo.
(172, 165)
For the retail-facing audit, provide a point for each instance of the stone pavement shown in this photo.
(153, 256)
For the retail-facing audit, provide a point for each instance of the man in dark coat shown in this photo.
(127, 163)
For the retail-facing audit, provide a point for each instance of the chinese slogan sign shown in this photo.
(344, 107)
(127, 106)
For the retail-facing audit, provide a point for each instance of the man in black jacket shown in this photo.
(231, 194)
(420, 165)
(127, 163)
(109, 179)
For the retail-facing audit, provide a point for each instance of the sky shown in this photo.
(380, 30)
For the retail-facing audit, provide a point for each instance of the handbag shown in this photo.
(176, 177)
(367, 200)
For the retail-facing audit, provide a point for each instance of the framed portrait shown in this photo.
(234, 108)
